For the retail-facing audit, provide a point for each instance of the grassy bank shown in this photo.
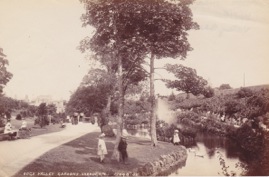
(79, 158)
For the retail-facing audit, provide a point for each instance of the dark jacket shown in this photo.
(122, 146)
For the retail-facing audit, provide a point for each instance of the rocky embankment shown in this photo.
(166, 164)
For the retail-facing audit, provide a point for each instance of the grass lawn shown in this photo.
(80, 157)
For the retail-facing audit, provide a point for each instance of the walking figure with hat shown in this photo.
(123, 149)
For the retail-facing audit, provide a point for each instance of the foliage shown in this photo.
(244, 92)
(208, 92)
(19, 117)
(5, 76)
(130, 30)
(171, 97)
(232, 107)
(224, 86)
(197, 121)
(42, 113)
(104, 118)
(258, 104)
(164, 131)
(139, 106)
(250, 107)
(136, 21)
(88, 100)
(187, 79)
(9, 105)
(108, 131)
(224, 167)
(52, 109)
(2, 121)
(136, 119)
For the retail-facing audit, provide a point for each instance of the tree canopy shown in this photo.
(5, 76)
(187, 79)
(132, 30)
(157, 27)
(224, 86)
(88, 100)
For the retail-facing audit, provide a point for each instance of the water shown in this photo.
(204, 157)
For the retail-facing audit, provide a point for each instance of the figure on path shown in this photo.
(101, 150)
(123, 149)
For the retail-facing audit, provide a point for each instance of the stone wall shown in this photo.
(165, 165)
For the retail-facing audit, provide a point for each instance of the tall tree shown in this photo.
(157, 28)
(108, 41)
(88, 99)
(42, 113)
(5, 76)
(187, 80)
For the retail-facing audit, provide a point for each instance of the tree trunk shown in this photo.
(120, 113)
(188, 95)
(153, 101)
(108, 106)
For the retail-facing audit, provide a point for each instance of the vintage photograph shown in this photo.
(134, 88)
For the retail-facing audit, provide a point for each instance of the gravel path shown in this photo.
(14, 155)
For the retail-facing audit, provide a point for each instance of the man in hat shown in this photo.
(176, 139)
(101, 149)
(123, 149)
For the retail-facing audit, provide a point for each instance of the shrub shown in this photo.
(18, 117)
(208, 92)
(108, 131)
(2, 121)
(172, 97)
(42, 121)
(244, 92)
(232, 107)
(224, 86)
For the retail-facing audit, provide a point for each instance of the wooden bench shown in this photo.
(4, 136)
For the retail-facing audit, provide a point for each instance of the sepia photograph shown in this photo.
(134, 88)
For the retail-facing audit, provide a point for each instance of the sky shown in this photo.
(40, 39)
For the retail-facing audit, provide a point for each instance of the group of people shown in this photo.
(13, 133)
(122, 148)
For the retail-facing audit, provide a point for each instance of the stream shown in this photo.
(205, 156)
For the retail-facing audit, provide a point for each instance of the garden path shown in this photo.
(14, 155)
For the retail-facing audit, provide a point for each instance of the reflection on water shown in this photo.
(204, 157)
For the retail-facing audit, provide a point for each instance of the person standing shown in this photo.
(123, 149)
(101, 149)
(176, 139)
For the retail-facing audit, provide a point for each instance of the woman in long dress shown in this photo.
(102, 150)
